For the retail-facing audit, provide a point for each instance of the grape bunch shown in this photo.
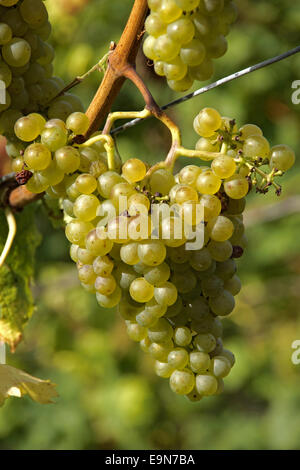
(184, 36)
(162, 248)
(26, 67)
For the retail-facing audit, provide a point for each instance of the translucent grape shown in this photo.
(181, 30)
(103, 265)
(220, 366)
(236, 187)
(165, 293)
(27, 128)
(86, 206)
(154, 25)
(34, 12)
(97, 242)
(129, 253)
(182, 381)
(220, 229)
(163, 369)
(16, 52)
(250, 129)
(206, 384)
(256, 146)
(169, 11)
(282, 157)
(175, 70)
(207, 122)
(208, 183)
(205, 342)
(134, 170)
(193, 53)
(67, 159)
(105, 285)
(182, 336)
(37, 156)
(141, 290)
(187, 5)
(76, 231)
(199, 361)
(181, 85)
(5, 33)
(78, 123)
(211, 205)
(222, 304)
(110, 301)
(161, 181)
(165, 48)
(178, 358)
(107, 181)
(152, 252)
(223, 166)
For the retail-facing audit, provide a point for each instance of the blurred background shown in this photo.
(109, 395)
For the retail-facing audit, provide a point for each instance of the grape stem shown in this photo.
(12, 230)
(108, 145)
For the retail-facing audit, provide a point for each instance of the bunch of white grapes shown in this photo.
(184, 36)
(172, 297)
(26, 67)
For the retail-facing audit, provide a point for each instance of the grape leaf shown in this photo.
(17, 383)
(16, 300)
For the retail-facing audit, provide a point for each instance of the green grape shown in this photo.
(110, 301)
(85, 183)
(161, 332)
(5, 33)
(67, 207)
(134, 170)
(37, 156)
(211, 205)
(59, 109)
(52, 174)
(78, 123)
(181, 30)
(220, 251)
(182, 381)
(67, 159)
(249, 130)
(223, 166)
(174, 309)
(207, 145)
(27, 129)
(204, 71)
(229, 355)
(73, 252)
(117, 229)
(233, 285)
(182, 336)
(199, 361)
(193, 53)
(85, 257)
(107, 181)
(222, 304)
(169, 11)
(165, 48)
(149, 47)
(221, 366)
(154, 4)
(50, 89)
(86, 207)
(207, 122)
(211, 7)
(157, 275)
(194, 396)
(206, 384)
(119, 191)
(152, 253)
(200, 260)
(146, 318)
(226, 269)
(103, 265)
(35, 184)
(197, 309)
(7, 122)
(256, 146)
(186, 194)
(189, 174)
(161, 181)
(44, 31)
(160, 351)
(74, 101)
(8, 3)
(178, 255)
(159, 68)
(178, 358)
(208, 183)
(175, 70)
(140, 290)
(163, 369)
(220, 229)
(34, 12)
(105, 285)
(202, 24)
(138, 203)
(129, 253)
(77, 230)
(165, 293)
(5, 74)
(144, 344)
(46, 57)
(184, 282)
(124, 275)
(205, 342)
(156, 309)
(154, 25)
(282, 157)
(17, 164)
(97, 242)
(212, 286)
(181, 85)
(216, 47)
(16, 52)
(236, 187)
(86, 274)
(15, 21)
(96, 168)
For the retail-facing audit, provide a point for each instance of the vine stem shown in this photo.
(12, 229)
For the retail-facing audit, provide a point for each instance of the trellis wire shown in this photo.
(206, 88)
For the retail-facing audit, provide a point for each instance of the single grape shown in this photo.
(182, 381)
(154, 25)
(282, 157)
(141, 291)
(97, 242)
(78, 123)
(37, 156)
(175, 69)
(165, 48)
(134, 170)
(193, 53)
(223, 166)
(221, 366)
(102, 265)
(16, 52)
(54, 137)
(248, 130)
(105, 285)
(208, 183)
(27, 128)
(110, 301)
(107, 181)
(67, 159)
(163, 369)
(169, 11)
(77, 230)
(181, 30)
(207, 122)
(86, 274)
(178, 358)
(165, 293)
(220, 229)
(256, 146)
(206, 384)
(199, 361)
(236, 187)
(181, 85)
(182, 336)
(223, 304)
(5, 33)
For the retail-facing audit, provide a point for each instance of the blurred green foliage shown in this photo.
(110, 397)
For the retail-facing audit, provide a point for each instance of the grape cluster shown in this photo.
(184, 36)
(26, 66)
(171, 293)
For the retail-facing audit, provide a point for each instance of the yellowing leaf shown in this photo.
(16, 383)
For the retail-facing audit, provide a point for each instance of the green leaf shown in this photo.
(16, 301)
